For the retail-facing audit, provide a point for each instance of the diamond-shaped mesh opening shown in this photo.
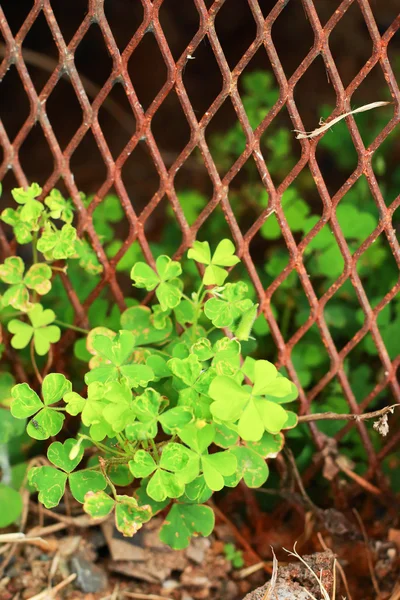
(63, 97)
(290, 303)
(363, 380)
(118, 13)
(378, 269)
(202, 78)
(336, 148)
(16, 13)
(384, 164)
(311, 110)
(13, 116)
(117, 120)
(35, 155)
(350, 52)
(280, 149)
(323, 260)
(258, 88)
(282, 35)
(87, 164)
(140, 177)
(147, 70)
(70, 23)
(92, 58)
(159, 241)
(357, 214)
(40, 52)
(193, 177)
(310, 357)
(343, 314)
(225, 137)
(372, 89)
(247, 196)
(235, 25)
(178, 33)
(170, 140)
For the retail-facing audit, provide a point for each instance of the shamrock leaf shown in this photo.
(37, 278)
(26, 403)
(92, 410)
(165, 483)
(40, 329)
(192, 383)
(50, 482)
(137, 319)
(146, 407)
(229, 305)
(184, 521)
(129, 516)
(119, 410)
(57, 244)
(224, 256)
(59, 207)
(168, 290)
(87, 257)
(22, 230)
(214, 466)
(118, 351)
(32, 209)
(250, 407)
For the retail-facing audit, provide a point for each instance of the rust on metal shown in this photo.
(65, 67)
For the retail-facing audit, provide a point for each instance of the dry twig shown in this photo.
(330, 416)
(302, 135)
(369, 554)
(47, 594)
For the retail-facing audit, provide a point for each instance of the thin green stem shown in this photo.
(34, 364)
(34, 248)
(101, 446)
(155, 450)
(73, 327)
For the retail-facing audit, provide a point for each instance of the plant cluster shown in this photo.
(169, 407)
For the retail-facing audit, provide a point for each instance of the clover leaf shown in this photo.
(254, 409)
(228, 304)
(147, 408)
(22, 230)
(118, 351)
(26, 403)
(32, 209)
(129, 516)
(224, 256)
(92, 410)
(37, 278)
(59, 207)
(213, 466)
(137, 319)
(50, 482)
(43, 333)
(165, 481)
(57, 244)
(183, 522)
(164, 279)
(192, 383)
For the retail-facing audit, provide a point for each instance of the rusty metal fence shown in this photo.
(174, 83)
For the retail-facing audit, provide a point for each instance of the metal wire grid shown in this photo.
(174, 82)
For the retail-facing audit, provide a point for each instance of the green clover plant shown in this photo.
(172, 413)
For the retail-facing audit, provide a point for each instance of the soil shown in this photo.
(76, 559)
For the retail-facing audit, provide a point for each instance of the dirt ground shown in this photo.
(354, 555)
